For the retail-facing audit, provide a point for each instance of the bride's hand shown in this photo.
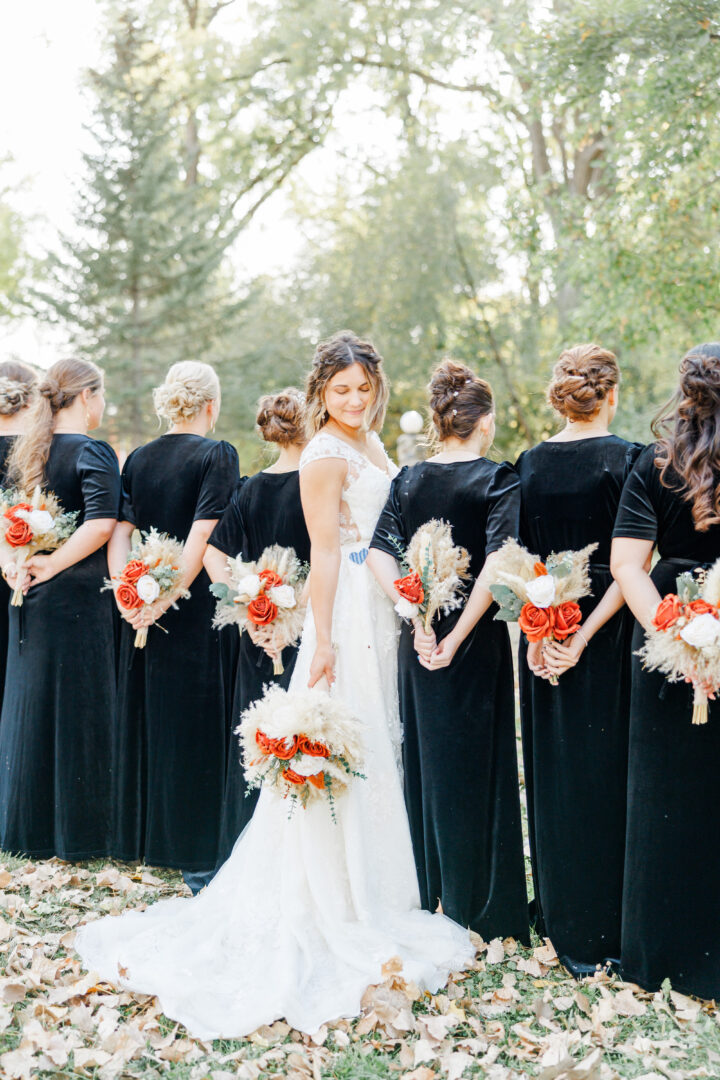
(323, 663)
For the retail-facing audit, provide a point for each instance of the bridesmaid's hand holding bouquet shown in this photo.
(150, 582)
(34, 525)
(435, 572)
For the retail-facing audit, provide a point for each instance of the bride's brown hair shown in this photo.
(61, 385)
(688, 435)
(341, 351)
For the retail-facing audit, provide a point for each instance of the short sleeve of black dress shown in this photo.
(637, 515)
(99, 474)
(503, 518)
(219, 478)
(228, 534)
(389, 535)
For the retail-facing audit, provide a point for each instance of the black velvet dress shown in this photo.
(575, 734)
(264, 510)
(59, 707)
(671, 914)
(173, 701)
(460, 757)
(6, 442)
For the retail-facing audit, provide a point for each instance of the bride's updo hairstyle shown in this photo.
(18, 386)
(582, 378)
(341, 351)
(59, 388)
(688, 434)
(458, 399)
(187, 388)
(281, 417)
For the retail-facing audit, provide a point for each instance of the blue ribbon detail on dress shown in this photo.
(359, 557)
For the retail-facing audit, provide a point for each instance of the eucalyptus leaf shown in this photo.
(687, 587)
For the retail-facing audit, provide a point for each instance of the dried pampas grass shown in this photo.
(443, 568)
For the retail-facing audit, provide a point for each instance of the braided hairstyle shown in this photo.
(18, 386)
(458, 399)
(341, 351)
(581, 380)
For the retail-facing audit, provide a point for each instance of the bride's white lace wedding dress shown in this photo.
(302, 916)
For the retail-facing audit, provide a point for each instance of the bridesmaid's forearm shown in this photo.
(610, 604)
(119, 547)
(384, 569)
(216, 566)
(85, 541)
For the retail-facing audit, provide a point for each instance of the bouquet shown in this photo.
(304, 745)
(39, 524)
(265, 593)
(684, 643)
(153, 571)
(541, 596)
(434, 571)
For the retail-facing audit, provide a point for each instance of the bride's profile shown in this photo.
(307, 909)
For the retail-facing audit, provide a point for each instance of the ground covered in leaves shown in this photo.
(516, 1013)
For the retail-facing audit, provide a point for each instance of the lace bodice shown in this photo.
(365, 487)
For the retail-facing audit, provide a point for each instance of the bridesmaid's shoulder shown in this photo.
(97, 451)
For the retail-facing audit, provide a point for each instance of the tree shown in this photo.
(12, 251)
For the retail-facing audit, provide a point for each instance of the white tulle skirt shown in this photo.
(305, 912)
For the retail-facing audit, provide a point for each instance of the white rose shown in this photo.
(700, 631)
(283, 596)
(306, 765)
(147, 588)
(40, 521)
(406, 609)
(541, 590)
(249, 586)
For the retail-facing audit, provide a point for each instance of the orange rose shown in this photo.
(10, 512)
(264, 742)
(410, 587)
(127, 597)
(568, 617)
(18, 533)
(668, 612)
(313, 749)
(261, 611)
(536, 623)
(540, 569)
(317, 780)
(280, 749)
(133, 571)
(294, 778)
(701, 607)
(270, 579)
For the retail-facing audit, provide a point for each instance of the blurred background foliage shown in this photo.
(551, 174)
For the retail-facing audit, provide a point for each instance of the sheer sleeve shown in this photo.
(503, 519)
(637, 514)
(322, 446)
(221, 471)
(390, 526)
(228, 535)
(99, 473)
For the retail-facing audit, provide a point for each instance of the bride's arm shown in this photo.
(321, 485)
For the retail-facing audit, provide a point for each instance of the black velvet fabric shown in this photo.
(671, 915)
(6, 442)
(59, 706)
(575, 734)
(264, 510)
(460, 758)
(173, 701)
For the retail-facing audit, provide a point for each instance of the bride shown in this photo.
(305, 912)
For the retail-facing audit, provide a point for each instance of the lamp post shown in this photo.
(409, 448)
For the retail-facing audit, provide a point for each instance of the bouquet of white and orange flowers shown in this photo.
(153, 571)
(684, 643)
(267, 594)
(435, 571)
(35, 524)
(303, 744)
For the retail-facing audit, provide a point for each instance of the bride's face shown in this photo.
(347, 396)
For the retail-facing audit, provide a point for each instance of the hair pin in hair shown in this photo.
(455, 393)
(454, 412)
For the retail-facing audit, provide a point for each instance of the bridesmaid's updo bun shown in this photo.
(458, 399)
(581, 380)
(281, 417)
(18, 386)
(187, 388)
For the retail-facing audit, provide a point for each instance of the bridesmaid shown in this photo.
(264, 510)
(171, 741)
(457, 704)
(18, 388)
(671, 915)
(59, 707)
(575, 734)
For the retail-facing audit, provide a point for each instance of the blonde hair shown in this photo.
(581, 380)
(341, 351)
(58, 390)
(281, 417)
(18, 385)
(187, 387)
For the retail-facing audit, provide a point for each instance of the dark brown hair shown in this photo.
(581, 380)
(458, 399)
(18, 384)
(341, 351)
(281, 417)
(688, 434)
(63, 382)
